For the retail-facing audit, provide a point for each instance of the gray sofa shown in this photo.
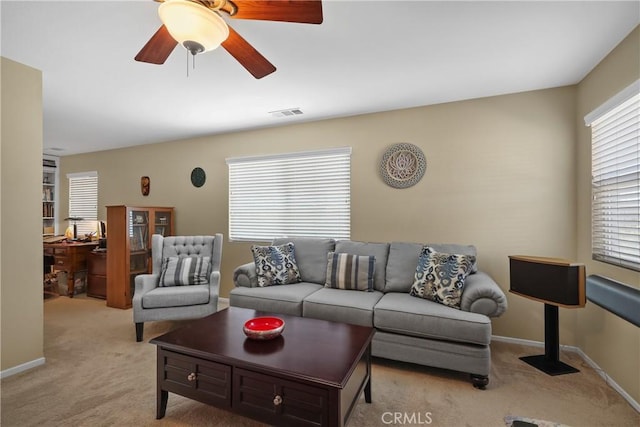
(408, 328)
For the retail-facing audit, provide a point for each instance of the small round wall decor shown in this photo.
(403, 165)
(198, 177)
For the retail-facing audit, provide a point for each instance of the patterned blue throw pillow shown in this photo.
(275, 265)
(183, 271)
(440, 277)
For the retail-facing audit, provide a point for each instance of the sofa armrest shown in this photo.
(483, 295)
(245, 275)
(214, 288)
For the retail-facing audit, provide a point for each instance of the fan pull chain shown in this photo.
(194, 62)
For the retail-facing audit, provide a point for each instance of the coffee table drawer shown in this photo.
(277, 401)
(201, 380)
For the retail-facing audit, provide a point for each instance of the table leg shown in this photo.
(161, 409)
(367, 391)
(367, 386)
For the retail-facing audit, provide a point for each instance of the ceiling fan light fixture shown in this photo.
(192, 25)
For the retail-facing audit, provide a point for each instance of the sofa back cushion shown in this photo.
(403, 261)
(311, 256)
(378, 250)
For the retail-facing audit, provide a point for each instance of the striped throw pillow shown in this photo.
(347, 271)
(183, 271)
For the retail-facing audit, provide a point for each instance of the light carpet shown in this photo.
(97, 375)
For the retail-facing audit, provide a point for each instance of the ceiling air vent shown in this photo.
(287, 112)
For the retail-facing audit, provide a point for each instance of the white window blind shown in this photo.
(83, 201)
(289, 195)
(615, 138)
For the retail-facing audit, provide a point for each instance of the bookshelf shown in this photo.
(49, 195)
(129, 247)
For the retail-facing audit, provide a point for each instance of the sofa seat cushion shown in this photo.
(338, 305)
(311, 256)
(403, 314)
(176, 296)
(284, 299)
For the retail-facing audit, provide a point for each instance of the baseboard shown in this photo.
(635, 405)
(21, 368)
(224, 301)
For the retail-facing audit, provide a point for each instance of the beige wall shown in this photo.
(21, 329)
(611, 342)
(500, 175)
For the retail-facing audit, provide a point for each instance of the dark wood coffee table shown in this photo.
(312, 375)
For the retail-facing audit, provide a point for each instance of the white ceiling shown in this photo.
(366, 56)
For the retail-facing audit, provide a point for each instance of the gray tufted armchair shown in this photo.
(151, 301)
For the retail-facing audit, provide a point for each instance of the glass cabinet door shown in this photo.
(163, 223)
(138, 240)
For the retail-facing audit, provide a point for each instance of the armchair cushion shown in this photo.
(184, 271)
(174, 296)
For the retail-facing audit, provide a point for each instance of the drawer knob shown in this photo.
(191, 377)
(277, 401)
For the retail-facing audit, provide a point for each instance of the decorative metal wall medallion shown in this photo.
(403, 165)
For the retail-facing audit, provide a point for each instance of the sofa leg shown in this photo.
(139, 330)
(479, 381)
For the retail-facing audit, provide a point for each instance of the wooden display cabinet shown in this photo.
(129, 231)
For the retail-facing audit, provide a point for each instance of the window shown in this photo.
(615, 139)
(83, 200)
(289, 195)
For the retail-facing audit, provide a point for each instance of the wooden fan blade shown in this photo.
(247, 55)
(304, 11)
(158, 48)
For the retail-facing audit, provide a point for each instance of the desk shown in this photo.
(69, 257)
(97, 274)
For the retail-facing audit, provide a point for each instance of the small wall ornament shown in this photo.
(145, 185)
(198, 177)
(403, 165)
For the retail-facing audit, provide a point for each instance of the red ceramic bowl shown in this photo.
(263, 328)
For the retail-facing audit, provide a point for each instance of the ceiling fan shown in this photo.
(199, 27)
